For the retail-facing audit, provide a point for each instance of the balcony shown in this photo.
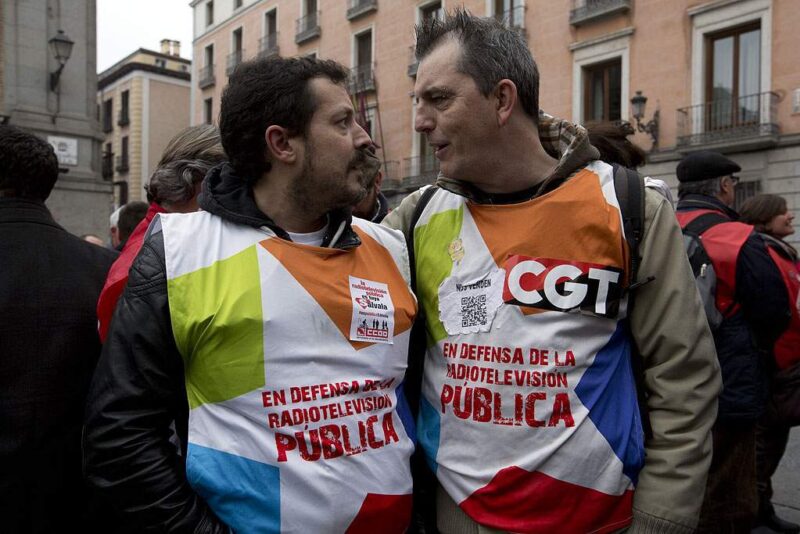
(585, 11)
(744, 123)
(268, 46)
(514, 19)
(122, 164)
(107, 167)
(307, 28)
(413, 64)
(124, 119)
(206, 76)
(419, 171)
(359, 8)
(234, 58)
(361, 80)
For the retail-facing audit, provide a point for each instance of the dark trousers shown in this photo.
(771, 440)
(731, 500)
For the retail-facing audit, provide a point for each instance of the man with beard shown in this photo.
(282, 324)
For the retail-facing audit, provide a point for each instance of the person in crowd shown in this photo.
(529, 415)
(173, 188)
(113, 222)
(771, 217)
(49, 282)
(281, 323)
(130, 216)
(611, 140)
(374, 207)
(753, 304)
(93, 239)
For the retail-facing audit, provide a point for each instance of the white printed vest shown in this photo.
(294, 359)
(529, 415)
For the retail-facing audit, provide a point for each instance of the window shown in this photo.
(161, 63)
(602, 91)
(124, 118)
(122, 159)
(510, 12)
(209, 13)
(209, 55)
(271, 22)
(733, 76)
(745, 190)
(208, 110)
(237, 4)
(364, 49)
(237, 40)
(108, 115)
(432, 10)
(311, 7)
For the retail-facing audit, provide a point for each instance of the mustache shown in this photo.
(367, 162)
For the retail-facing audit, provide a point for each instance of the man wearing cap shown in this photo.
(755, 310)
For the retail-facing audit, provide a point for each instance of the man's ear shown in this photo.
(505, 94)
(280, 145)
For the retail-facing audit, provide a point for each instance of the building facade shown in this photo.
(717, 74)
(59, 108)
(143, 101)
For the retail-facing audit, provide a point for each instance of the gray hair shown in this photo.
(490, 53)
(711, 187)
(184, 163)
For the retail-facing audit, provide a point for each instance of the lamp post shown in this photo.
(638, 103)
(61, 48)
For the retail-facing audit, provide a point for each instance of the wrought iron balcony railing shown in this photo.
(307, 28)
(124, 119)
(357, 8)
(234, 58)
(268, 45)
(420, 170)
(584, 11)
(728, 120)
(206, 76)
(122, 164)
(362, 79)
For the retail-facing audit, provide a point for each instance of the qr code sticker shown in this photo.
(473, 311)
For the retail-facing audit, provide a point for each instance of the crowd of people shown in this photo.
(541, 341)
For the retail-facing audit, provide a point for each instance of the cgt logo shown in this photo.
(558, 285)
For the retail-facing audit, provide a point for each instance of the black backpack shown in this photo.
(703, 269)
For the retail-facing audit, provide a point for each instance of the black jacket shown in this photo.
(49, 284)
(138, 390)
(744, 341)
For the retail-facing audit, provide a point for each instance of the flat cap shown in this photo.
(705, 165)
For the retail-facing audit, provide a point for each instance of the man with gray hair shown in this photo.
(173, 188)
(754, 306)
(528, 415)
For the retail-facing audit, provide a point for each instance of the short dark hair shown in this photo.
(265, 92)
(490, 52)
(28, 164)
(611, 140)
(760, 209)
(129, 217)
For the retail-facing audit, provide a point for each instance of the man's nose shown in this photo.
(423, 122)
(361, 139)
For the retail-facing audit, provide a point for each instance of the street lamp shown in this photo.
(638, 103)
(61, 48)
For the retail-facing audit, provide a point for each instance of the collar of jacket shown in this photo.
(381, 209)
(13, 209)
(228, 196)
(781, 246)
(705, 202)
(563, 140)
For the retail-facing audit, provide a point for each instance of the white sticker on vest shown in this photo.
(373, 312)
(466, 307)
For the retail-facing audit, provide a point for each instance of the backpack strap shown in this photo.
(418, 341)
(629, 188)
(705, 221)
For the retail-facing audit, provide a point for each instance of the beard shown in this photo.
(321, 190)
